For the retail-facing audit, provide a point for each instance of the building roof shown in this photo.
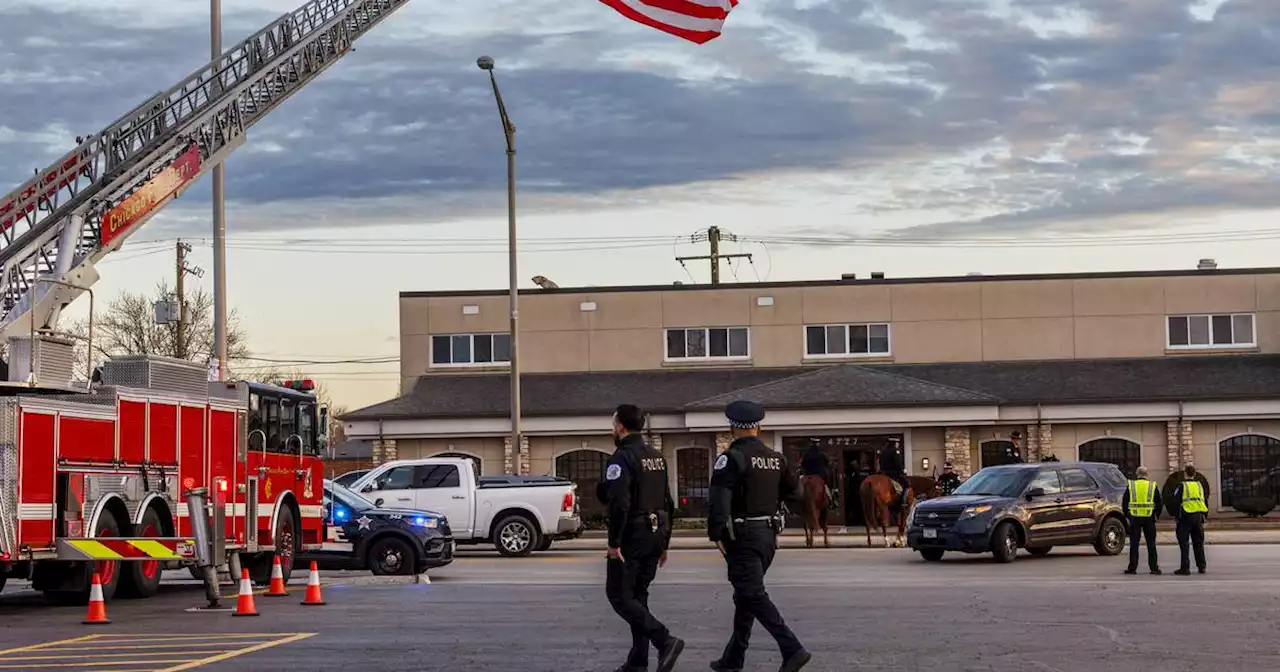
(977, 277)
(1187, 378)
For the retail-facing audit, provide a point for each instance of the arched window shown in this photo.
(1125, 454)
(586, 468)
(1250, 467)
(476, 462)
(693, 480)
(993, 452)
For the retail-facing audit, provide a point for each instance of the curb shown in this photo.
(355, 579)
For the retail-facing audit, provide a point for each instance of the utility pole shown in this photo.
(713, 236)
(180, 344)
(219, 219)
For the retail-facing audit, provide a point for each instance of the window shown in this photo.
(470, 349)
(1047, 479)
(586, 468)
(438, 476)
(398, 478)
(1250, 468)
(477, 464)
(1075, 480)
(693, 481)
(1211, 331)
(846, 340)
(289, 427)
(1123, 453)
(993, 452)
(712, 343)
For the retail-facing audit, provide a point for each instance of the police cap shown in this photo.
(744, 414)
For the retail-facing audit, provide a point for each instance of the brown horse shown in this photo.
(877, 497)
(924, 487)
(816, 505)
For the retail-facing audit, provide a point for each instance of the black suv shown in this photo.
(1031, 506)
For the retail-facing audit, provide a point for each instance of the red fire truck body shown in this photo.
(96, 481)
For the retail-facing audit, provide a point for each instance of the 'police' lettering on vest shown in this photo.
(768, 463)
(653, 463)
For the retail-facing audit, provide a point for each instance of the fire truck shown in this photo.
(93, 472)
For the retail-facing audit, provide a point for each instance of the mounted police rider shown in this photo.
(893, 465)
(814, 463)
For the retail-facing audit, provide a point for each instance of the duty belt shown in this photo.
(753, 519)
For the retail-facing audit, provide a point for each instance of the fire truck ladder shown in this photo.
(51, 228)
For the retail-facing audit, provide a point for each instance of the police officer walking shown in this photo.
(747, 482)
(641, 509)
(1142, 505)
(1190, 497)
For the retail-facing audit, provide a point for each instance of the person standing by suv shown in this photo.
(1142, 505)
(1190, 497)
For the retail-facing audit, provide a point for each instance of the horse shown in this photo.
(816, 505)
(878, 495)
(924, 487)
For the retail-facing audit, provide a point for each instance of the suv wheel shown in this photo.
(932, 554)
(1004, 542)
(1110, 539)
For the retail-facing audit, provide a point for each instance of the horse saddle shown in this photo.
(897, 488)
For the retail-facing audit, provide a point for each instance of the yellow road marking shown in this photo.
(115, 637)
(113, 645)
(154, 549)
(28, 666)
(103, 655)
(95, 550)
(45, 645)
(240, 652)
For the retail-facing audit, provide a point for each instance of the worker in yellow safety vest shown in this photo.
(1142, 506)
(1191, 498)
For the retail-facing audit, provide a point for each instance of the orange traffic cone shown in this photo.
(276, 589)
(244, 602)
(97, 606)
(313, 598)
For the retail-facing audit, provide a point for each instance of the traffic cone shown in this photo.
(313, 598)
(97, 606)
(276, 589)
(244, 602)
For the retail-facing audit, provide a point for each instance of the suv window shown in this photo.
(438, 476)
(1113, 476)
(1047, 479)
(1077, 479)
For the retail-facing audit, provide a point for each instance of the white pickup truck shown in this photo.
(517, 514)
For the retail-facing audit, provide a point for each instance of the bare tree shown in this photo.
(128, 327)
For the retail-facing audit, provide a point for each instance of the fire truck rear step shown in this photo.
(141, 549)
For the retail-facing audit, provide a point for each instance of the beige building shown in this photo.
(1154, 368)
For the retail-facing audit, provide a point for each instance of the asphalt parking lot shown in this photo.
(879, 609)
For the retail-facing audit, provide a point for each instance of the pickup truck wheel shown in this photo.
(544, 544)
(1110, 539)
(391, 556)
(515, 536)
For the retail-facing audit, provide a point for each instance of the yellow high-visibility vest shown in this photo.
(1193, 497)
(1142, 498)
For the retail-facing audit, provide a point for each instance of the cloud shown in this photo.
(1002, 117)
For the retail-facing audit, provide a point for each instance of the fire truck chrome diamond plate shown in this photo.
(8, 475)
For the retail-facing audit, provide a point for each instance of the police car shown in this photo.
(361, 535)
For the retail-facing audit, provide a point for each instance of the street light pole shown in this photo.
(509, 132)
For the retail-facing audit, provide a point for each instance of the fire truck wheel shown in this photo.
(142, 579)
(286, 536)
(109, 571)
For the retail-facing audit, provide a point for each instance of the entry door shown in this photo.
(394, 487)
(1045, 511)
(857, 464)
(1080, 493)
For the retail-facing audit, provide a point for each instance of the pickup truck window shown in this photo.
(438, 476)
(398, 478)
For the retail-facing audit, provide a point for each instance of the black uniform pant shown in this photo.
(1190, 532)
(748, 558)
(901, 478)
(1139, 527)
(627, 586)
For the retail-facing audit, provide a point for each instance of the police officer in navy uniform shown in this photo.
(641, 509)
(1013, 451)
(747, 483)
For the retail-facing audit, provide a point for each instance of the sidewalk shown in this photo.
(855, 537)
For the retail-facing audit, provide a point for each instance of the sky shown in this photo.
(913, 137)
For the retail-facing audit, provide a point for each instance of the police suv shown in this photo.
(1032, 506)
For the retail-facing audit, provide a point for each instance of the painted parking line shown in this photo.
(141, 652)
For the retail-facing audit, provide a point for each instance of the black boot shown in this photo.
(721, 667)
(668, 654)
(795, 661)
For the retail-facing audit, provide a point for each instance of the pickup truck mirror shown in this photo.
(369, 488)
(1034, 492)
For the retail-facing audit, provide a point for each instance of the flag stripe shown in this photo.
(696, 30)
(689, 8)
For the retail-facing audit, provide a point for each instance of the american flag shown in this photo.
(697, 21)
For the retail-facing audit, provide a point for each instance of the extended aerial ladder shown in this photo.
(59, 225)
